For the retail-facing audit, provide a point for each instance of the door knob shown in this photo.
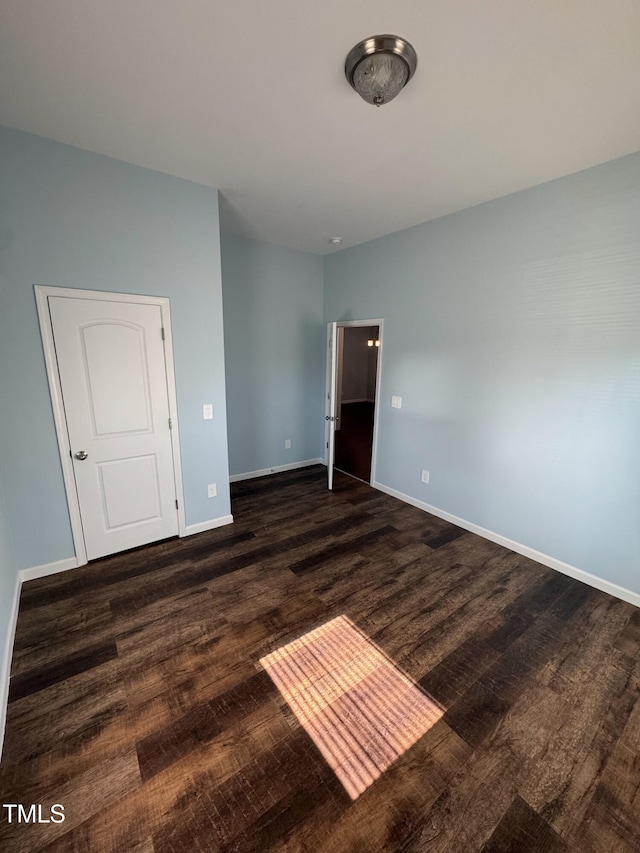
(81, 455)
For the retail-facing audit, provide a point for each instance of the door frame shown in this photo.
(379, 322)
(43, 292)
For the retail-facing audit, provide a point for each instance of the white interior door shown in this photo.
(330, 416)
(112, 370)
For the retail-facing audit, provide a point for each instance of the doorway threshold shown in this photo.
(353, 476)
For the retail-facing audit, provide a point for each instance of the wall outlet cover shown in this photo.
(287, 443)
(212, 491)
(396, 402)
(207, 412)
(425, 476)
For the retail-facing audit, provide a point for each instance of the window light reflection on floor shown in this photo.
(359, 708)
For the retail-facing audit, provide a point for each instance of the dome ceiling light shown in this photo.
(379, 67)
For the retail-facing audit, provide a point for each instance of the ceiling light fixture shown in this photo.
(379, 67)
(336, 241)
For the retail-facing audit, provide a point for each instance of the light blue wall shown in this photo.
(274, 353)
(512, 333)
(74, 219)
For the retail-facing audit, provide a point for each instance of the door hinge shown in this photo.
(327, 444)
(176, 503)
(162, 332)
(170, 424)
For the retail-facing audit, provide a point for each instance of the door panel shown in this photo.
(117, 377)
(130, 490)
(112, 372)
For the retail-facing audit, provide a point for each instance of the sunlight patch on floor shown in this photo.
(359, 708)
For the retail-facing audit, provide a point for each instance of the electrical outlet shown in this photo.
(396, 402)
(425, 476)
(207, 412)
(212, 491)
(287, 444)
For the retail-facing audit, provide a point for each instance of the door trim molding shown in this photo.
(379, 322)
(43, 292)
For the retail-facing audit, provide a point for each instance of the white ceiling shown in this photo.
(250, 96)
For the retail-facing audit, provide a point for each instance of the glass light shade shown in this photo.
(379, 67)
(369, 343)
(380, 77)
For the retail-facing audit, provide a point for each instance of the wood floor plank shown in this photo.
(82, 797)
(138, 700)
(200, 724)
(38, 679)
(611, 820)
(146, 809)
(66, 636)
(523, 829)
(71, 711)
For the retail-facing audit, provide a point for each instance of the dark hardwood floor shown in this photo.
(138, 703)
(354, 440)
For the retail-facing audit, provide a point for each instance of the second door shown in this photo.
(111, 364)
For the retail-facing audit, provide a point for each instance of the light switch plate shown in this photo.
(396, 402)
(207, 412)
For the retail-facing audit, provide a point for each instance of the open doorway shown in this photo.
(357, 369)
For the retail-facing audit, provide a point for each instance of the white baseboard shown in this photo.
(202, 526)
(47, 569)
(290, 466)
(5, 672)
(552, 563)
